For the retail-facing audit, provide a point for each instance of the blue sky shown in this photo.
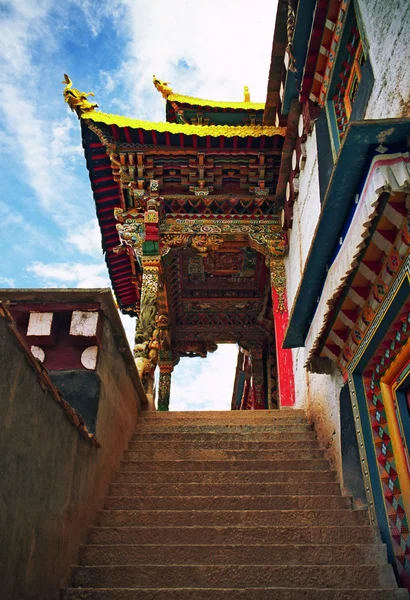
(49, 236)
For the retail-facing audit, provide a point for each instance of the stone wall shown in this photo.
(387, 26)
(53, 480)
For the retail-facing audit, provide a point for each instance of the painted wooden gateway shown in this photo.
(191, 235)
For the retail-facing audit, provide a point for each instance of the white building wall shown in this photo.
(318, 395)
(387, 28)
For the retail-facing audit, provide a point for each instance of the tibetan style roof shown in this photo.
(191, 110)
(123, 155)
(216, 131)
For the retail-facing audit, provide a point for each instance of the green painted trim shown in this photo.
(150, 248)
(333, 131)
(346, 175)
(301, 36)
(362, 29)
(370, 466)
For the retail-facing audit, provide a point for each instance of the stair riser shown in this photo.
(182, 503)
(238, 576)
(301, 518)
(223, 465)
(272, 446)
(211, 477)
(234, 535)
(234, 594)
(226, 436)
(235, 419)
(208, 454)
(223, 414)
(239, 489)
(371, 554)
(228, 428)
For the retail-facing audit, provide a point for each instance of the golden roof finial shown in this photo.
(246, 94)
(75, 99)
(162, 86)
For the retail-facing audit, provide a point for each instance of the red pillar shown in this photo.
(286, 382)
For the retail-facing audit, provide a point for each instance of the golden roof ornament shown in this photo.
(162, 86)
(246, 94)
(77, 100)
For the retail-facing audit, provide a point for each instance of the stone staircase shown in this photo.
(230, 505)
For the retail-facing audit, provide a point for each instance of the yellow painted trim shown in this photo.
(215, 103)
(200, 130)
(388, 393)
(397, 366)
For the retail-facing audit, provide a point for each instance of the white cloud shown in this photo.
(205, 383)
(129, 326)
(70, 274)
(7, 282)
(18, 228)
(213, 61)
(87, 240)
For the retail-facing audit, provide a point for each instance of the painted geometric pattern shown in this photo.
(338, 99)
(382, 359)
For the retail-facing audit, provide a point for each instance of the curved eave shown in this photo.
(107, 197)
(359, 138)
(227, 131)
(191, 101)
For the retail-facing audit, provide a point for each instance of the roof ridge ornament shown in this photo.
(162, 86)
(77, 100)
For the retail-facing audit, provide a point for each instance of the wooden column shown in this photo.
(259, 400)
(286, 381)
(146, 347)
(164, 387)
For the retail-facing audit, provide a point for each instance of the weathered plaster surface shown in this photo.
(84, 323)
(53, 481)
(306, 212)
(387, 27)
(318, 395)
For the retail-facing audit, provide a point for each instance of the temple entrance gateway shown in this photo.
(194, 247)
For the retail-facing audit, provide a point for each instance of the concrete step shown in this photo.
(185, 518)
(190, 453)
(259, 554)
(215, 437)
(236, 418)
(320, 534)
(245, 429)
(225, 444)
(226, 489)
(182, 503)
(223, 465)
(267, 593)
(220, 415)
(186, 476)
(238, 576)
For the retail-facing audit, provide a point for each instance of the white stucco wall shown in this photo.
(387, 28)
(318, 395)
(306, 212)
